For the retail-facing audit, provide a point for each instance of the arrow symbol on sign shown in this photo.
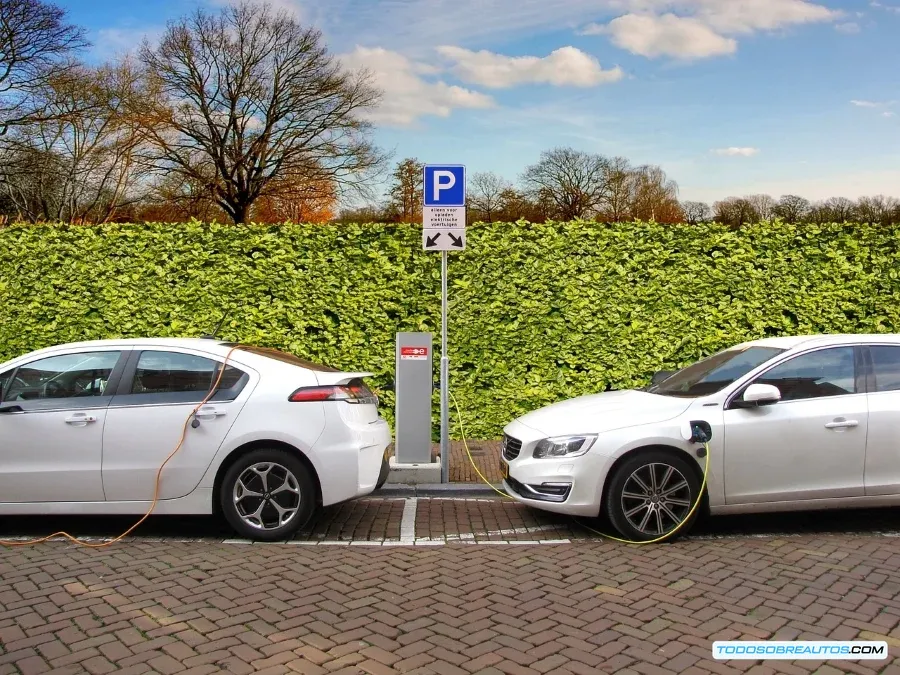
(431, 241)
(457, 241)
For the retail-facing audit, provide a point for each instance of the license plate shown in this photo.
(504, 470)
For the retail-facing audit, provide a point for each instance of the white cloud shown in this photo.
(566, 66)
(876, 105)
(850, 27)
(666, 35)
(702, 28)
(887, 8)
(407, 95)
(736, 152)
(418, 26)
(747, 16)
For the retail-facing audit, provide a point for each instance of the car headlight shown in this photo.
(564, 446)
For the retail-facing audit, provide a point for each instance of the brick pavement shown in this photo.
(167, 606)
(486, 455)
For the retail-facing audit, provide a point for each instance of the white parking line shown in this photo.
(408, 522)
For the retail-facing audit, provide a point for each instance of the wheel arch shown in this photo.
(261, 444)
(658, 447)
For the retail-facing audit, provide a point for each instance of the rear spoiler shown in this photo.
(340, 378)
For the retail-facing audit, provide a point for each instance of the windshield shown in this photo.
(714, 373)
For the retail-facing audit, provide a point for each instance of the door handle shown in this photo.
(842, 424)
(80, 419)
(7, 409)
(209, 412)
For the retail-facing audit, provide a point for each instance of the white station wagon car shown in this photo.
(85, 427)
(798, 423)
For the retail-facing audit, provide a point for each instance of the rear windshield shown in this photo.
(284, 357)
(714, 373)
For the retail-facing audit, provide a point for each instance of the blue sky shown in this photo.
(729, 97)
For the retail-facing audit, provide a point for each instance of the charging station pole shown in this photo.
(444, 229)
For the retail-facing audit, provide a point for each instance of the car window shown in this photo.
(827, 372)
(715, 372)
(171, 372)
(4, 380)
(64, 376)
(886, 364)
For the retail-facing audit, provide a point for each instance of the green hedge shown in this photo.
(538, 312)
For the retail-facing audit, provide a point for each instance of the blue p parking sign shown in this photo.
(445, 185)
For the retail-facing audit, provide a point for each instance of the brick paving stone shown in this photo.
(168, 606)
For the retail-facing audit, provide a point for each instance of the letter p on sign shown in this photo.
(445, 185)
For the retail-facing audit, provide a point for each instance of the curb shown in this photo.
(436, 490)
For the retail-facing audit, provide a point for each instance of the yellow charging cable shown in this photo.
(606, 536)
(79, 542)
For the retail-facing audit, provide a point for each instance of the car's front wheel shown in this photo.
(651, 496)
(267, 495)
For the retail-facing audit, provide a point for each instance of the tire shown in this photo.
(383, 476)
(290, 487)
(660, 523)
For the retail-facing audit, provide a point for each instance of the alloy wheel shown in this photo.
(656, 498)
(266, 496)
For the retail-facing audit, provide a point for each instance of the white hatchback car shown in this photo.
(798, 423)
(85, 427)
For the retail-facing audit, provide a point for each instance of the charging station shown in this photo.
(414, 385)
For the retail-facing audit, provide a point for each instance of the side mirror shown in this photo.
(760, 394)
(661, 375)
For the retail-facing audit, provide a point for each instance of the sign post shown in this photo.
(444, 229)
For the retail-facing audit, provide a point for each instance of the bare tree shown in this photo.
(762, 205)
(485, 192)
(735, 211)
(877, 209)
(406, 191)
(792, 208)
(654, 196)
(175, 199)
(696, 212)
(576, 183)
(840, 209)
(620, 177)
(79, 164)
(35, 45)
(250, 96)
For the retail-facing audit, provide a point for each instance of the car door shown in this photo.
(883, 447)
(149, 413)
(51, 426)
(809, 445)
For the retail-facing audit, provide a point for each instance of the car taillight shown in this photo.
(354, 392)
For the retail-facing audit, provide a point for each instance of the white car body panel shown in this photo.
(343, 442)
(778, 457)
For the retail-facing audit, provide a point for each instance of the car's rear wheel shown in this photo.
(267, 495)
(383, 475)
(651, 494)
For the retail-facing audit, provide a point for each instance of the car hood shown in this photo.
(596, 413)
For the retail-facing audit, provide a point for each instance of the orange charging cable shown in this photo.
(131, 529)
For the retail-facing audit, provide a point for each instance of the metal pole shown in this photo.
(445, 370)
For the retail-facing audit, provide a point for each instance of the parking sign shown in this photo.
(445, 185)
